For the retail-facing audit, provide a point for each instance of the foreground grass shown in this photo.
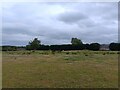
(67, 69)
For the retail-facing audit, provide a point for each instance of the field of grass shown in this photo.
(66, 69)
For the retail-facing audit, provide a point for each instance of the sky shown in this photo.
(57, 23)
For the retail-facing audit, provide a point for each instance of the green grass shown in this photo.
(66, 69)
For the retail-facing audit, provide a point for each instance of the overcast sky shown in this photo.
(57, 23)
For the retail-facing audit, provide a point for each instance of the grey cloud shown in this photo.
(14, 42)
(113, 17)
(59, 35)
(72, 17)
(91, 22)
(11, 31)
(88, 23)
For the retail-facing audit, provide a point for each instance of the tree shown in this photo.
(44, 47)
(76, 41)
(94, 46)
(9, 48)
(34, 45)
(114, 46)
(86, 46)
(28, 47)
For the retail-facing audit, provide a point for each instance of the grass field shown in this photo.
(66, 69)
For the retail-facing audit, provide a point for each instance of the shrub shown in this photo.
(94, 46)
(103, 53)
(67, 52)
(114, 46)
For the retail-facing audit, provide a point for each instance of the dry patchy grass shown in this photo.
(83, 69)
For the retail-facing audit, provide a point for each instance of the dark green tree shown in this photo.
(94, 46)
(9, 48)
(76, 41)
(114, 46)
(34, 45)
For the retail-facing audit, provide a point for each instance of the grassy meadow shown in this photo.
(66, 69)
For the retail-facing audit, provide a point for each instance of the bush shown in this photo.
(9, 48)
(94, 46)
(114, 46)
(103, 53)
(67, 52)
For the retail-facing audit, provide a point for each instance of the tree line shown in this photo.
(76, 44)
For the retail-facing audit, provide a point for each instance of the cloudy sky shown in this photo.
(57, 23)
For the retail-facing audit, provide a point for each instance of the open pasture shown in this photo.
(66, 69)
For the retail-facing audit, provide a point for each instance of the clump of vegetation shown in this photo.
(118, 52)
(33, 45)
(67, 52)
(86, 54)
(107, 53)
(23, 53)
(103, 53)
(46, 53)
(74, 53)
(111, 53)
(29, 53)
(66, 58)
(94, 46)
(33, 51)
(53, 52)
(9, 48)
(76, 41)
(114, 46)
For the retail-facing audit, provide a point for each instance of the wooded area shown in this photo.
(76, 44)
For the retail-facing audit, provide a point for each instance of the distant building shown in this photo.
(104, 47)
